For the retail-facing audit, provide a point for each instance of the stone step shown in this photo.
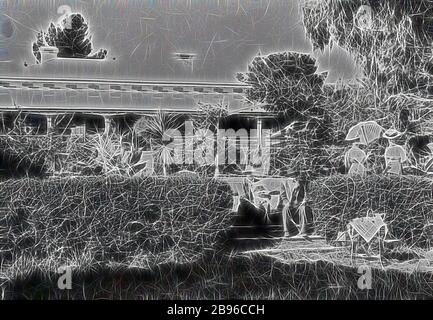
(255, 232)
(242, 244)
(266, 226)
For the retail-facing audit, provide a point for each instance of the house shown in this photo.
(78, 106)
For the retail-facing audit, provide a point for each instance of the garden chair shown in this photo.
(367, 228)
(240, 189)
(342, 239)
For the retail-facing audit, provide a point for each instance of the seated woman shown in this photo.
(262, 199)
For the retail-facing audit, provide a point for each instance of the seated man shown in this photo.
(297, 215)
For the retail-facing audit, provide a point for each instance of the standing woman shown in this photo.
(395, 155)
(354, 160)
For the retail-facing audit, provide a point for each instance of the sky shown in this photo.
(143, 36)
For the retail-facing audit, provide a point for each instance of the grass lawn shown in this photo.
(106, 231)
(279, 272)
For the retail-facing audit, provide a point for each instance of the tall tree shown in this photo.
(288, 83)
(285, 82)
(390, 39)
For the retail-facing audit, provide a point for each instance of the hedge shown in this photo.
(406, 201)
(86, 221)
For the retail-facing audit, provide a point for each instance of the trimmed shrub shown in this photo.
(406, 201)
(91, 221)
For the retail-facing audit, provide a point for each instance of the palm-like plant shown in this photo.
(154, 132)
(112, 154)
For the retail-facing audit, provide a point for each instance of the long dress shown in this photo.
(357, 169)
(395, 155)
(354, 161)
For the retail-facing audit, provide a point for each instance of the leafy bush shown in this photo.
(406, 201)
(316, 148)
(91, 221)
(24, 154)
(43, 155)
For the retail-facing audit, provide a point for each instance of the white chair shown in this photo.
(367, 228)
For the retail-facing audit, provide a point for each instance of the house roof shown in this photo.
(116, 96)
